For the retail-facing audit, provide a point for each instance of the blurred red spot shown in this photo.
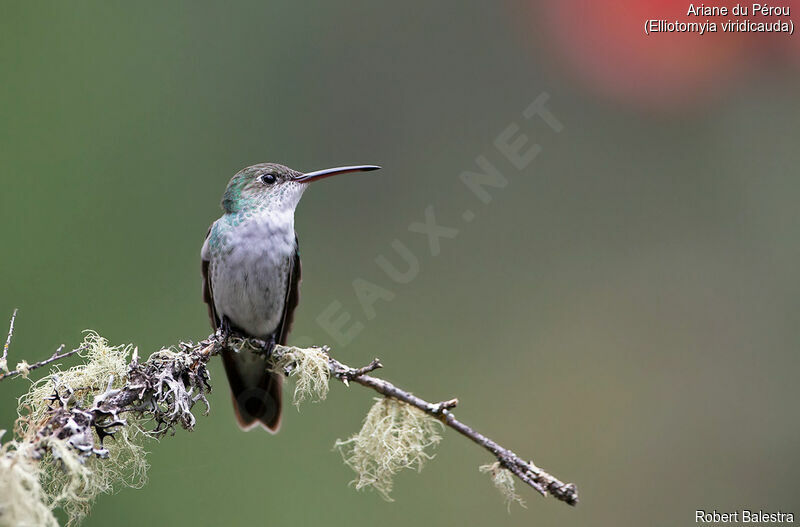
(604, 45)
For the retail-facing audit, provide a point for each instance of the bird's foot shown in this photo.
(226, 330)
(264, 347)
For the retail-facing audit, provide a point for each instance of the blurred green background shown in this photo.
(625, 311)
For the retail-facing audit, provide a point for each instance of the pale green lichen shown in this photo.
(101, 363)
(309, 369)
(395, 435)
(503, 480)
(23, 501)
(23, 369)
(72, 483)
(63, 478)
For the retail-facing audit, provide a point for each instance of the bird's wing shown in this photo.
(292, 296)
(208, 292)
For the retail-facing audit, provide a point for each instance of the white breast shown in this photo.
(249, 274)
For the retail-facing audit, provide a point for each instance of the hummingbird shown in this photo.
(251, 279)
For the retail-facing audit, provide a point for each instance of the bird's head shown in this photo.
(273, 186)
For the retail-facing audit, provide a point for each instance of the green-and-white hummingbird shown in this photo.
(251, 278)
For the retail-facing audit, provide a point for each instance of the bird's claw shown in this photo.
(225, 331)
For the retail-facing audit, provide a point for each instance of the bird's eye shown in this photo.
(268, 179)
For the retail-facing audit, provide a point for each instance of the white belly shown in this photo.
(249, 277)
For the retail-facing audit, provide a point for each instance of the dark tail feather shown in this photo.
(256, 393)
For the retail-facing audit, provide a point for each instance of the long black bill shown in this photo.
(328, 172)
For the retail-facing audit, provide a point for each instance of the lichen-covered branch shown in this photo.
(58, 457)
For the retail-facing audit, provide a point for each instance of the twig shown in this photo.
(358, 372)
(526, 471)
(4, 358)
(58, 355)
